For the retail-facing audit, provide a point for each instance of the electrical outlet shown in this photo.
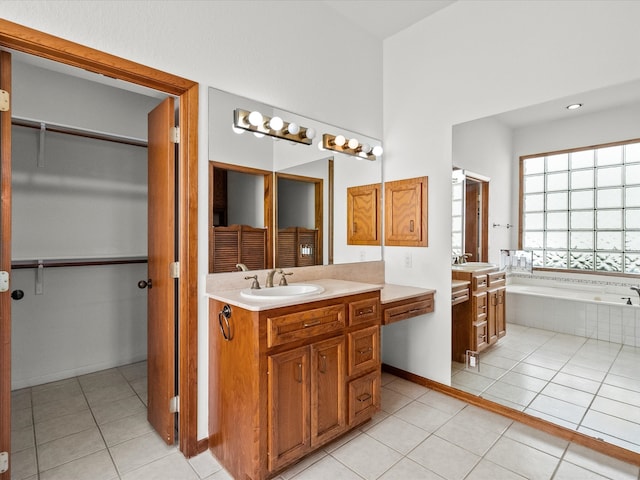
(473, 360)
(408, 261)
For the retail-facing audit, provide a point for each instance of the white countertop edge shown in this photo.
(332, 289)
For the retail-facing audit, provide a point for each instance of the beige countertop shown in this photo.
(393, 293)
(332, 289)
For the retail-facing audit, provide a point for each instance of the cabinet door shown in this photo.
(405, 212)
(327, 390)
(492, 327)
(363, 215)
(501, 321)
(289, 406)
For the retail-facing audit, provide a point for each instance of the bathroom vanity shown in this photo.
(288, 375)
(478, 308)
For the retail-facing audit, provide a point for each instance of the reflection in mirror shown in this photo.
(334, 171)
(239, 218)
(569, 360)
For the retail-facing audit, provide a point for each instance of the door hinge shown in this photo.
(174, 270)
(174, 404)
(175, 134)
(4, 281)
(5, 103)
(4, 461)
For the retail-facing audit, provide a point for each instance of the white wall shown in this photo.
(222, 44)
(471, 60)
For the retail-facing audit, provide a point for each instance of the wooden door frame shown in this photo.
(318, 198)
(24, 39)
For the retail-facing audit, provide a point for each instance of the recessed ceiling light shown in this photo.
(574, 106)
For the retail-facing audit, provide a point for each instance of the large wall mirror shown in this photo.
(278, 203)
(579, 369)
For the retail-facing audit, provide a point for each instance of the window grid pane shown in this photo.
(590, 216)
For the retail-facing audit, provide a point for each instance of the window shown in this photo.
(580, 208)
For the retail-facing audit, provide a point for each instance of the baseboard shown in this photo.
(535, 422)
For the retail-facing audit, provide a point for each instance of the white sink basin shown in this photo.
(282, 292)
(472, 266)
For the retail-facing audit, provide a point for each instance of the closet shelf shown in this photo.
(76, 262)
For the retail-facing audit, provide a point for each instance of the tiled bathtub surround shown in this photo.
(594, 316)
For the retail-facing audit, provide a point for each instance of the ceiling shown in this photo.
(384, 18)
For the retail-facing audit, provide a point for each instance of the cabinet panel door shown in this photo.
(289, 406)
(501, 322)
(405, 212)
(328, 399)
(492, 328)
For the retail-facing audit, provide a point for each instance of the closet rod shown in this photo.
(77, 262)
(109, 137)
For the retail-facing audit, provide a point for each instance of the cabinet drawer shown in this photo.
(497, 279)
(479, 283)
(407, 310)
(480, 307)
(364, 350)
(303, 325)
(459, 295)
(364, 397)
(481, 333)
(363, 311)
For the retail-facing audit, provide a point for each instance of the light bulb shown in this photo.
(365, 148)
(320, 147)
(293, 128)
(377, 150)
(237, 130)
(310, 133)
(258, 134)
(255, 119)
(353, 143)
(339, 140)
(276, 124)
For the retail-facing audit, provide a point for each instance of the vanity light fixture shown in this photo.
(574, 106)
(352, 146)
(275, 127)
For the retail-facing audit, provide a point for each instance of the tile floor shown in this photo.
(584, 384)
(94, 427)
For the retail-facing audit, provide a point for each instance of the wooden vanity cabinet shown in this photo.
(480, 322)
(290, 380)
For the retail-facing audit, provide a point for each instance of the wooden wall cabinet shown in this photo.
(363, 215)
(290, 380)
(480, 321)
(405, 211)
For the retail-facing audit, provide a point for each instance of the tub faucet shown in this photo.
(636, 289)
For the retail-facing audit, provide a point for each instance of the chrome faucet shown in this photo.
(269, 281)
(636, 289)
(242, 267)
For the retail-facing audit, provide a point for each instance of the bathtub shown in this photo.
(582, 310)
(577, 293)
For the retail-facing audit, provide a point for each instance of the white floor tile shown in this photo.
(366, 456)
(444, 458)
(522, 459)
